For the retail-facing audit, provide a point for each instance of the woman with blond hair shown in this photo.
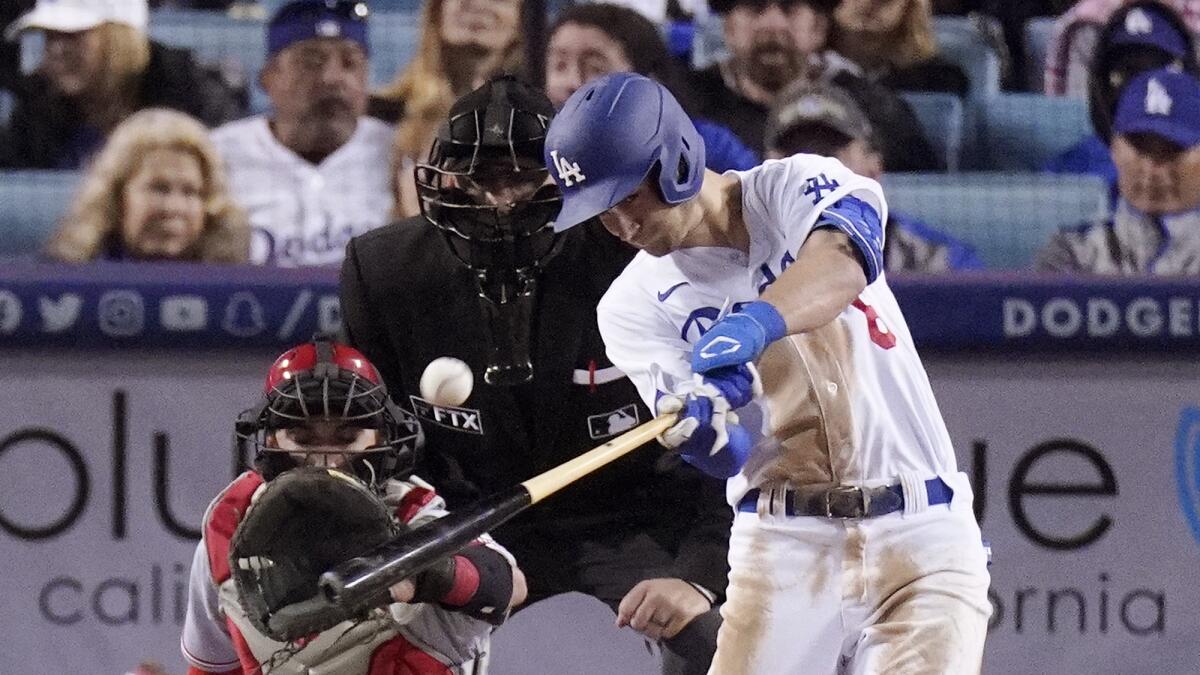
(155, 191)
(894, 43)
(99, 67)
(463, 43)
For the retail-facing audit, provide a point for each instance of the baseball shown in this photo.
(446, 381)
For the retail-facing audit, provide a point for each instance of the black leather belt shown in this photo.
(848, 501)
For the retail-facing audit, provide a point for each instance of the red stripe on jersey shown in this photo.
(227, 511)
(412, 503)
(466, 582)
(250, 664)
(208, 666)
(400, 657)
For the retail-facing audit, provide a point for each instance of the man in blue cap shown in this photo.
(854, 547)
(1140, 36)
(1155, 228)
(316, 171)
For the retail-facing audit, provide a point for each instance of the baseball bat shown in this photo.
(360, 582)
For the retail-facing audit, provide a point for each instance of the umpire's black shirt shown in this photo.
(407, 300)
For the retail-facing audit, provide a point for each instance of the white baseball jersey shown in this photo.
(444, 642)
(303, 214)
(847, 403)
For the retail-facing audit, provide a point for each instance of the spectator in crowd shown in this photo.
(1012, 16)
(1155, 228)
(894, 43)
(1140, 36)
(10, 51)
(824, 119)
(98, 68)
(591, 40)
(156, 190)
(463, 43)
(772, 43)
(1076, 36)
(316, 171)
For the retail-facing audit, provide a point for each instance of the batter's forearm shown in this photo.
(826, 277)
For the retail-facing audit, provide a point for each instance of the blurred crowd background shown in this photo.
(1010, 134)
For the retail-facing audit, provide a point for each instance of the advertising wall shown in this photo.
(1086, 470)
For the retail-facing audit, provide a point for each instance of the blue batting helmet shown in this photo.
(608, 138)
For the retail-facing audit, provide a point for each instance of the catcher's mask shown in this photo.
(326, 382)
(486, 188)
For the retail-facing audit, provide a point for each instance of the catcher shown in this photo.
(331, 480)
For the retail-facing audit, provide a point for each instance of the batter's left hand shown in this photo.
(739, 337)
(660, 608)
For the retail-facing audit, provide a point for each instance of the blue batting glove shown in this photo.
(727, 461)
(739, 337)
(706, 434)
(738, 384)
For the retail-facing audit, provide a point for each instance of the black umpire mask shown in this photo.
(486, 188)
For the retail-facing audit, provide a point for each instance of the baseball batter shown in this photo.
(854, 548)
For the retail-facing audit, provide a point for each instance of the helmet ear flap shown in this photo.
(681, 163)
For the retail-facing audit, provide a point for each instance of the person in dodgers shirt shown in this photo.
(854, 548)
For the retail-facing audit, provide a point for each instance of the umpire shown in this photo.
(481, 276)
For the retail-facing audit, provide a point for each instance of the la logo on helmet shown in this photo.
(568, 172)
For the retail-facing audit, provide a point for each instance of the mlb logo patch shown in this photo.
(612, 423)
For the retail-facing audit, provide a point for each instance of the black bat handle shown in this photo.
(361, 581)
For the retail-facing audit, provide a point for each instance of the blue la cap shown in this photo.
(1161, 102)
(307, 19)
(1148, 26)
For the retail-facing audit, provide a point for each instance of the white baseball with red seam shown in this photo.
(447, 381)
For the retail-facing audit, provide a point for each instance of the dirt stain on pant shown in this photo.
(921, 625)
(746, 612)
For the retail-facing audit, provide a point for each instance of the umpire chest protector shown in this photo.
(407, 300)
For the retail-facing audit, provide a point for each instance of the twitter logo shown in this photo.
(61, 314)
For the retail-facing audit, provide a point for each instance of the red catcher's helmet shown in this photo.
(323, 379)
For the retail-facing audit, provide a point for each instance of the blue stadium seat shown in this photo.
(7, 102)
(961, 43)
(1038, 34)
(708, 42)
(239, 45)
(394, 38)
(941, 118)
(1007, 217)
(32, 204)
(1024, 131)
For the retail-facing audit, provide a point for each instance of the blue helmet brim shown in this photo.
(590, 200)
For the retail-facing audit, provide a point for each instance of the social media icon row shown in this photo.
(122, 313)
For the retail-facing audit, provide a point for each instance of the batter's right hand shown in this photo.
(707, 434)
